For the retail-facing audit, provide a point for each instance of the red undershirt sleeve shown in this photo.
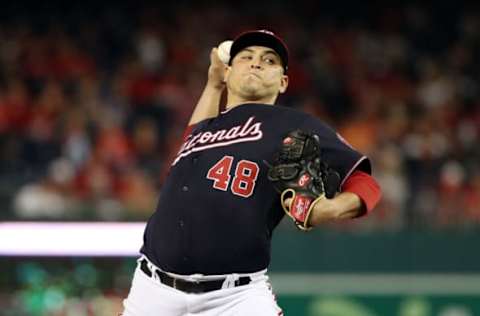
(365, 186)
(188, 131)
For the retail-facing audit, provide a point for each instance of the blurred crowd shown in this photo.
(94, 100)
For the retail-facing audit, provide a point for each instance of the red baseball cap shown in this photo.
(260, 38)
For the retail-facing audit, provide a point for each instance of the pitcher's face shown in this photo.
(256, 72)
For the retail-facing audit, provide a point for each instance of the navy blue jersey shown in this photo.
(217, 209)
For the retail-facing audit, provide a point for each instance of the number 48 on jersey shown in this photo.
(244, 177)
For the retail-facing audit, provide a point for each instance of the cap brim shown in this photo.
(260, 38)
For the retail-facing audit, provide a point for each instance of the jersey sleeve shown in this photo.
(336, 151)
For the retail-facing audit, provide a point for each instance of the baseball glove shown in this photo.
(300, 174)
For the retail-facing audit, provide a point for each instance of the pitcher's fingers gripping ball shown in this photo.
(224, 51)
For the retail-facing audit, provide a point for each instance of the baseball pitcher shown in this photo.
(238, 173)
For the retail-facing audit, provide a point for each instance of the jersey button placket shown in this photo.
(181, 223)
(194, 158)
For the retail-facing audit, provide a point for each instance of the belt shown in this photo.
(187, 286)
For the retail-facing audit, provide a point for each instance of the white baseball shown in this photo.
(224, 51)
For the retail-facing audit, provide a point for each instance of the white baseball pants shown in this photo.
(149, 297)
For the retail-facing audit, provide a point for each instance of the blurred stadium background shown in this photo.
(94, 98)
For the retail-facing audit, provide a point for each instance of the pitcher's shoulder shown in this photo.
(277, 111)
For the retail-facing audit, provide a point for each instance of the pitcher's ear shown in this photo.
(283, 84)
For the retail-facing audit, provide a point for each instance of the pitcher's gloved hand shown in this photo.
(299, 173)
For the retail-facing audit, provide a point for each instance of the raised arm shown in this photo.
(209, 103)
